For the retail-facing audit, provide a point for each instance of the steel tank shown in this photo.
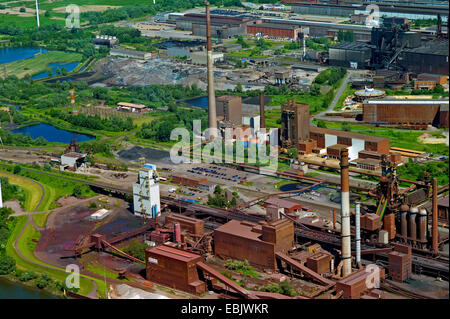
(412, 229)
(404, 220)
(422, 226)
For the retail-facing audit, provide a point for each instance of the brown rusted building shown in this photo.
(229, 108)
(256, 243)
(288, 206)
(174, 268)
(193, 225)
(187, 180)
(405, 111)
(294, 123)
(274, 30)
(443, 209)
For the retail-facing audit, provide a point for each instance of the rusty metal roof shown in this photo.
(283, 203)
(173, 253)
(443, 202)
(241, 229)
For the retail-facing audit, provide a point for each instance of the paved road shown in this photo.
(336, 98)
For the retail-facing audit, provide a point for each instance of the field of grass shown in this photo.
(27, 22)
(33, 192)
(39, 63)
(41, 219)
(348, 91)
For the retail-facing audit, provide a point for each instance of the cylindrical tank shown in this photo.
(177, 231)
(404, 220)
(422, 226)
(412, 229)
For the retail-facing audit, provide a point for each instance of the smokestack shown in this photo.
(345, 215)
(211, 93)
(261, 110)
(177, 232)
(412, 223)
(358, 232)
(434, 223)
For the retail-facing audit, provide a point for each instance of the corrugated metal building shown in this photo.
(395, 111)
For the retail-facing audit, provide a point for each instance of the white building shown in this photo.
(146, 193)
(72, 160)
(199, 57)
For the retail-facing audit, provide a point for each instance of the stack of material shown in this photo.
(389, 225)
(320, 263)
(398, 266)
(370, 222)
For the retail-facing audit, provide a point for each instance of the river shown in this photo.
(12, 290)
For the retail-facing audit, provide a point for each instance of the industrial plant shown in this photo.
(356, 113)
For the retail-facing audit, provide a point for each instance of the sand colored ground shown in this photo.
(427, 138)
(16, 11)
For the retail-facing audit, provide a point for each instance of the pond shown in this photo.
(54, 66)
(293, 186)
(11, 290)
(52, 134)
(200, 101)
(8, 55)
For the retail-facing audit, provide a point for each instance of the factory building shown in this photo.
(432, 57)
(406, 111)
(222, 27)
(175, 268)
(106, 40)
(333, 140)
(356, 55)
(256, 243)
(132, 107)
(186, 180)
(274, 30)
(178, 52)
(146, 200)
(131, 54)
(288, 207)
(72, 160)
(294, 123)
(199, 57)
(229, 109)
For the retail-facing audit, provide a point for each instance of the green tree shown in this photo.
(238, 88)
(7, 265)
(22, 9)
(292, 152)
(17, 169)
(346, 127)
(77, 191)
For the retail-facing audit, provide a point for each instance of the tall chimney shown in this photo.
(261, 110)
(345, 216)
(358, 232)
(211, 93)
(434, 223)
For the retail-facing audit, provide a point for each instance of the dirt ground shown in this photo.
(66, 225)
(427, 138)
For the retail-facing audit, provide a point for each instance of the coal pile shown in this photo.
(151, 155)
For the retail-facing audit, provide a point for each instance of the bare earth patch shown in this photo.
(16, 11)
(427, 138)
(88, 8)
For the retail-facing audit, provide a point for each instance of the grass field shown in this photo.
(41, 219)
(39, 63)
(28, 22)
(33, 192)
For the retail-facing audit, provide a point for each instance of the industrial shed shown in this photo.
(256, 243)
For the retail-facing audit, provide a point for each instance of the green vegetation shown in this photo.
(136, 249)
(220, 200)
(415, 171)
(32, 191)
(41, 219)
(242, 267)
(40, 63)
(282, 288)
